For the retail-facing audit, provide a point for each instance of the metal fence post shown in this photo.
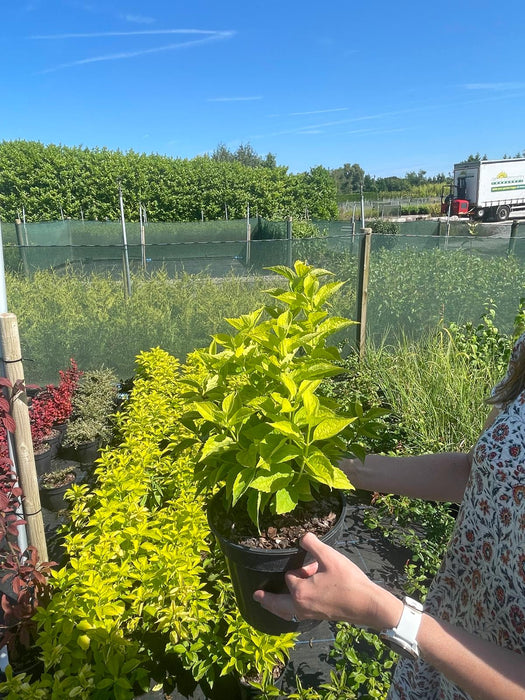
(125, 256)
(289, 241)
(362, 289)
(22, 245)
(512, 240)
(248, 238)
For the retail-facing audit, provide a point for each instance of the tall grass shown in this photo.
(436, 392)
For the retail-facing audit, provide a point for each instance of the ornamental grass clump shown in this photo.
(261, 428)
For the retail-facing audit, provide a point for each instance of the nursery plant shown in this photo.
(265, 434)
(57, 478)
(142, 595)
(262, 429)
(93, 403)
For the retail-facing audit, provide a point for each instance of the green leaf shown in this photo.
(324, 471)
(286, 428)
(282, 270)
(311, 404)
(215, 444)
(326, 291)
(330, 427)
(208, 411)
(285, 453)
(253, 506)
(284, 501)
(289, 384)
(228, 403)
(272, 482)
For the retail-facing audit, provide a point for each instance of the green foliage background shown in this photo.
(49, 181)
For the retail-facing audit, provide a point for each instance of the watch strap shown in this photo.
(403, 637)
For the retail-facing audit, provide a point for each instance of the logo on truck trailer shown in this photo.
(503, 183)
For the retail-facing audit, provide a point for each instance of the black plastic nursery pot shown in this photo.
(85, 453)
(53, 498)
(43, 461)
(254, 569)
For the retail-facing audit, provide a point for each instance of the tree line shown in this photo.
(46, 182)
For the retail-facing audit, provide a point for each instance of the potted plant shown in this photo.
(41, 422)
(83, 439)
(268, 439)
(93, 404)
(49, 411)
(53, 485)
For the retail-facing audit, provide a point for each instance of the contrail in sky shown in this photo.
(207, 37)
(92, 35)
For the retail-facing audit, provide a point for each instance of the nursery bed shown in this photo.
(310, 661)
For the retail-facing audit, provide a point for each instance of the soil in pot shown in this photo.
(260, 560)
(52, 497)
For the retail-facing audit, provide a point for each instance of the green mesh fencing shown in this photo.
(187, 289)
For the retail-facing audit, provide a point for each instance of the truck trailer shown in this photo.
(487, 189)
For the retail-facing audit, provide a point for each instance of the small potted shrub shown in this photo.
(53, 486)
(49, 411)
(93, 404)
(42, 432)
(268, 439)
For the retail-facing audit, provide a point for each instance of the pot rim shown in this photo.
(274, 551)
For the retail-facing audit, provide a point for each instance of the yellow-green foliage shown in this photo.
(142, 590)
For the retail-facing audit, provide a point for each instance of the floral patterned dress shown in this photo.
(480, 586)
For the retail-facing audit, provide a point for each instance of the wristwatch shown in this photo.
(402, 639)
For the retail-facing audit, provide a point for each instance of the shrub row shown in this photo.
(143, 595)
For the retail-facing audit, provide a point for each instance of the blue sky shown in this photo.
(392, 86)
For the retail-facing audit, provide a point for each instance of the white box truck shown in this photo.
(487, 189)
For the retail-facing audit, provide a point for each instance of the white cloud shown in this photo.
(318, 111)
(495, 86)
(234, 99)
(138, 19)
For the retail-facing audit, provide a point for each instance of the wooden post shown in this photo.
(25, 461)
(362, 289)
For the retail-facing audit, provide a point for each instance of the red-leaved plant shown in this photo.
(53, 405)
(23, 580)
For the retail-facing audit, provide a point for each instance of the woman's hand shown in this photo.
(332, 588)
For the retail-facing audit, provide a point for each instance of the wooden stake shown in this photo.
(25, 460)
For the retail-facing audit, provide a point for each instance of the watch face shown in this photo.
(401, 647)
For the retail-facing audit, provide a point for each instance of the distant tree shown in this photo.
(414, 179)
(349, 178)
(222, 154)
(475, 157)
(245, 154)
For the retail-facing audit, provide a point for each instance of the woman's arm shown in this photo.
(433, 477)
(334, 588)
